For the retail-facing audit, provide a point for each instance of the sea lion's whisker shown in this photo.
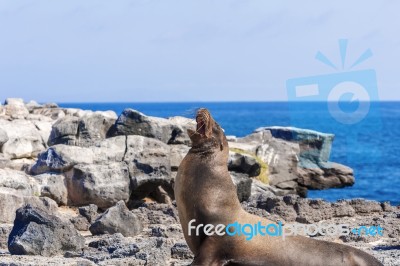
(197, 130)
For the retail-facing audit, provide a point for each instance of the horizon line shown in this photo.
(211, 101)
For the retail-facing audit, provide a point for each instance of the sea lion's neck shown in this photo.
(211, 152)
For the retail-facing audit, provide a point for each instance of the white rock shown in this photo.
(15, 108)
(53, 186)
(25, 140)
(10, 201)
(109, 114)
(19, 182)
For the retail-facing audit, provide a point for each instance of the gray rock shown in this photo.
(94, 128)
(11, 201)
(259, 187)
(85, 131)
(31, 105)
(5, 230)
(3, 137)
(44, 127)
(117, 219)
(22, 165)
(275, 205)
(37, 232)
(282, 158)
(80, 223)
(53, 186)
(243, 163)
(153, 213)
(89, 212)
(243, 185)
(15, 108)
(167, 231)
(343, 209)
(154, 250)
(149, 165)
(65, 131)
(53, 113)
(387, 207)
(61, 158)
(111, 247)
(132, 122)
(103, 185)
(311, 211)
(181, 251)
(255, 139)
(25, 140)
(362, 206)
(115, 246)
(329, 175)
(10, 101)
(177, 153)
(314, 146)
(18, 182)
(50, 105)
(179, 132)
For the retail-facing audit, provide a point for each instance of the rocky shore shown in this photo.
(80, 187)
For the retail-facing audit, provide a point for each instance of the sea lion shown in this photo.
(205, 194)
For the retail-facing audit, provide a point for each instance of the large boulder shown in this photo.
(18, 182)
(179, 133)
(273, 160)
(103, 185)
(15, 108)
(117, 219)
(61, 158)
(44, 127)
(24, 139)
(243, 163)
(177, 153)
(37, 232)
(314, 146)
(64, 131)
(330, 175)
(282, 158)
(132, 122)
(53, 186)
(149, 165)
(85, 131)
(10, 201)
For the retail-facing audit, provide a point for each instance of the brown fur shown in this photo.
(204, 191)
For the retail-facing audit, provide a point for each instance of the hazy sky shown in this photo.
(130, 51)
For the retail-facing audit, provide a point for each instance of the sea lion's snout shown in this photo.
(203, 119)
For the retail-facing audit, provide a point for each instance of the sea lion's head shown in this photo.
(208, 134)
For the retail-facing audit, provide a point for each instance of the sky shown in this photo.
(189, 50)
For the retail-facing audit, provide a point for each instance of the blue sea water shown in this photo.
(371, 148)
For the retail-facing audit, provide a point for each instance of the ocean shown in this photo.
(371, 147)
